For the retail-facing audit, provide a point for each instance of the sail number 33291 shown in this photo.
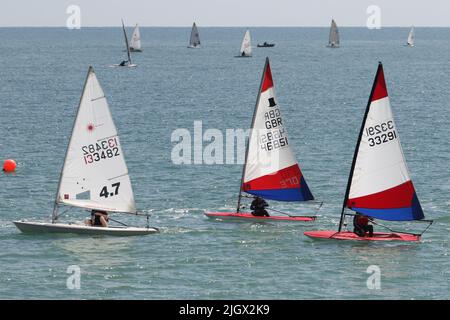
(381, 133)
(104, 149)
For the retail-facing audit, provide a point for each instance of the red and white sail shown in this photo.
(271, 170)
(380, 184)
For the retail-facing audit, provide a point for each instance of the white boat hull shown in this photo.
(45, 227)
(127, 65)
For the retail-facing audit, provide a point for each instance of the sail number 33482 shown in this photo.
(104, 149)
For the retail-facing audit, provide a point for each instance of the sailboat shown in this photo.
(126, 63)
(333, 41)
(246, 46)
(271, 170)
(94, 175)
(410, 41)
(135, 44)
(379, 184)
(194, 41)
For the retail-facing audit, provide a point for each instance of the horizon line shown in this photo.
(206, 26)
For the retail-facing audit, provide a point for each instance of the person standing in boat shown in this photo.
(361, 225)
(259, 206)
(99, 218)
(123, 63)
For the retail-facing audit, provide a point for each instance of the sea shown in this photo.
(322, 93)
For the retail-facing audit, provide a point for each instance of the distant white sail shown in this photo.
(246, 46)
(135, 44)
(194, 41)
(410, 41)
(95, 175)
(333, 41)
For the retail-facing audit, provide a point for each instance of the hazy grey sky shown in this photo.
(225, 12)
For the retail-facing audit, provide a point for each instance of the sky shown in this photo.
(245, 13)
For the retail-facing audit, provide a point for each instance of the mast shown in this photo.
(55, 207)
(126, 42)
(249, 138)
(355, 155)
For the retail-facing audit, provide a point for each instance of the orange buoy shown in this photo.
(9, 165)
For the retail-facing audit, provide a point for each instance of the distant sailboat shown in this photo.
(246, 46)
(194, 41)
(271, 170)
(333, 41)
(126, 63)
(379, 184)
(94, 175)
(410, 41)
(265, 45)
(135, 45)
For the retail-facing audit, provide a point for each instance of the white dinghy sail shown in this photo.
(94, 174)
(411, 38)
(194, 41)
(246, 46)
(333, 41)
(135, 45)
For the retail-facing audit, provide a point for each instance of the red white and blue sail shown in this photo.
(380, 185)
(271, 170)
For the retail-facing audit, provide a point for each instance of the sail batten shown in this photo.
(271, 169)
(94, 174)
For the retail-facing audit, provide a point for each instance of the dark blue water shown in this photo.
(322, 93)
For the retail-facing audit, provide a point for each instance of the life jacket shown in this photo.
(361, 220)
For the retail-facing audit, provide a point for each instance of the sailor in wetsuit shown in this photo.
(258, 206)
(361, 225)
(123, 63)
(98, 219)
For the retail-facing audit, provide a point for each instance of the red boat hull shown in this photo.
(347, 235)
(249, 217)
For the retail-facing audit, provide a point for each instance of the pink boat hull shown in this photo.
(347, 235)
(244, 216)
